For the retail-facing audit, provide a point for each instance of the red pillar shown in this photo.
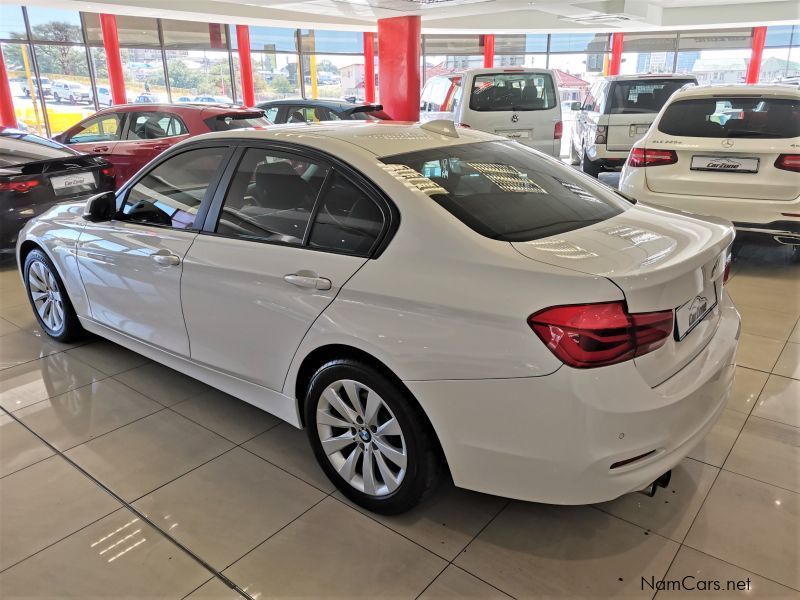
(246, 66)
(369, 66)
(614, 63)
(108, 24)
(754, 67)
(398, 63)
(7, 115)
(488, 50)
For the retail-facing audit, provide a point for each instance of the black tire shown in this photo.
(423, 467)
(590, 168)
(56, 98)
(70, 328)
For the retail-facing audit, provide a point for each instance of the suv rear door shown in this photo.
(632, 105)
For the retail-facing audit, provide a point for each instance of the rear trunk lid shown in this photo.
(625, 130)
(661, 261)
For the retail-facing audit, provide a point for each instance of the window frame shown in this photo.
(202, 209)
(131, 117)
(122, 124)
(391, 216)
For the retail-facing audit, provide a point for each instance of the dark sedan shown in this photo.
(299, 110)
(36, 173)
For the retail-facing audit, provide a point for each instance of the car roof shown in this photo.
(485, 70)
(739, 89)
(323, 102)
(378, 138)
(645, 76)
(210, 109)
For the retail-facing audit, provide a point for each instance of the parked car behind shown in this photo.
(302, 110)
(72, 92)
(517, 103)
(731, 151)
(617, 112)
(206, 99)
(36, 173)
(131, 135)
(44, 83)
(104, 96)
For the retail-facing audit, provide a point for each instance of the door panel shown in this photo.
(243, 316)
(131, 273)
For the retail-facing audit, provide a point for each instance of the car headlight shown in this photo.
(600, 134)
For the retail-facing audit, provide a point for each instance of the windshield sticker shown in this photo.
(415, 179)
(507, 178)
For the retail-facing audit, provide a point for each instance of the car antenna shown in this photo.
(442, 127)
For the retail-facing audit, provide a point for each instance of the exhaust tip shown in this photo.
(787, 240)
(661, 482)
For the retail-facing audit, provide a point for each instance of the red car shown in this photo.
(130, 135)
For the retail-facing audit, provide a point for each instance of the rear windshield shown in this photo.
(228, 122)
(635, 97)
(512, 92)
(17, 149)
(752, 117)
(507, 192)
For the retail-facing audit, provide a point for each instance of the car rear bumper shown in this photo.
(745, 213)
(554, 438)
(609, 159)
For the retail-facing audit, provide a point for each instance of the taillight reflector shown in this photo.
(18, 186)
(647, 157)
(558, 130)
(788, 162)
(728, 263)
(108, 171)
(585, 336)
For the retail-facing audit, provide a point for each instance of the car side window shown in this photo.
(170, 194)
(154, 125)
(99, 129)
(271, 113)
(304, 114)
(347, 220)
(271, 197)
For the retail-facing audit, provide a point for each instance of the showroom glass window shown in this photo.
(333, 64)
(170, 194)
(781, 57)
(275, 62)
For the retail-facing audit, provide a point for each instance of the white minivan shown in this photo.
(615, 114)
(518, 103)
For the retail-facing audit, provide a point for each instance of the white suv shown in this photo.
(730, 151)
(616, 112)
(71, 92)
(518, 103)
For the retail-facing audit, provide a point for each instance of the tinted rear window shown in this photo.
(732, 117)
(17, 149)
(512, 92)
(228, 122)
(507, 192)
(634, 97)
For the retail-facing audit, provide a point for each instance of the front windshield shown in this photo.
(505, 191)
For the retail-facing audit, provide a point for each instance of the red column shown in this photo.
(488, 50)
(108, 24)
(369, 66)
(754, 67)
(7, 115)
(614, 63)
(246, 66)
(398, 64)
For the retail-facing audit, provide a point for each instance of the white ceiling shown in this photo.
(451, 16)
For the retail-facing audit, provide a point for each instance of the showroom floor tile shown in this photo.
(211, 493)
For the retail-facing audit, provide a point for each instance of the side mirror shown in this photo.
(100, 207)
(576, 106)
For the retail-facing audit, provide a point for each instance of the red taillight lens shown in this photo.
(463, 125)
(788, 162)
(585, 336)
(647, 157)
(558, 130)
(108, 171)
(18, 186)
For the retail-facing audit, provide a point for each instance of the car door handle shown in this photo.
(160, 147)
(100, 149)
(166, 258)
(305, 279)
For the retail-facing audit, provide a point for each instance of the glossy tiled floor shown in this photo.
(211, 492)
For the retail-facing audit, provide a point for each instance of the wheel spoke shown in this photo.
(391, 427)
(393, 455)
(348, 469)
(336, 443)
(373, 406)
(326, 418)
(369, 472)
(351, 389)
(336, 401)
(386, 472)
(42, 309)
(59, 314)
(38, 295)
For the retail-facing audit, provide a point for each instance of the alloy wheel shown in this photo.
(361, 437)
(46, 295)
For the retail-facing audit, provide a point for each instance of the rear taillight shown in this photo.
(558, 130)
(585, 336)
(108, 171)
(728, 262)
(600, 134)
(647, 157)
(788, 162)
(463, 125)
(19, 186)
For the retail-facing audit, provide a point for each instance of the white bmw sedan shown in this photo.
(732, 151)
(423, 300)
